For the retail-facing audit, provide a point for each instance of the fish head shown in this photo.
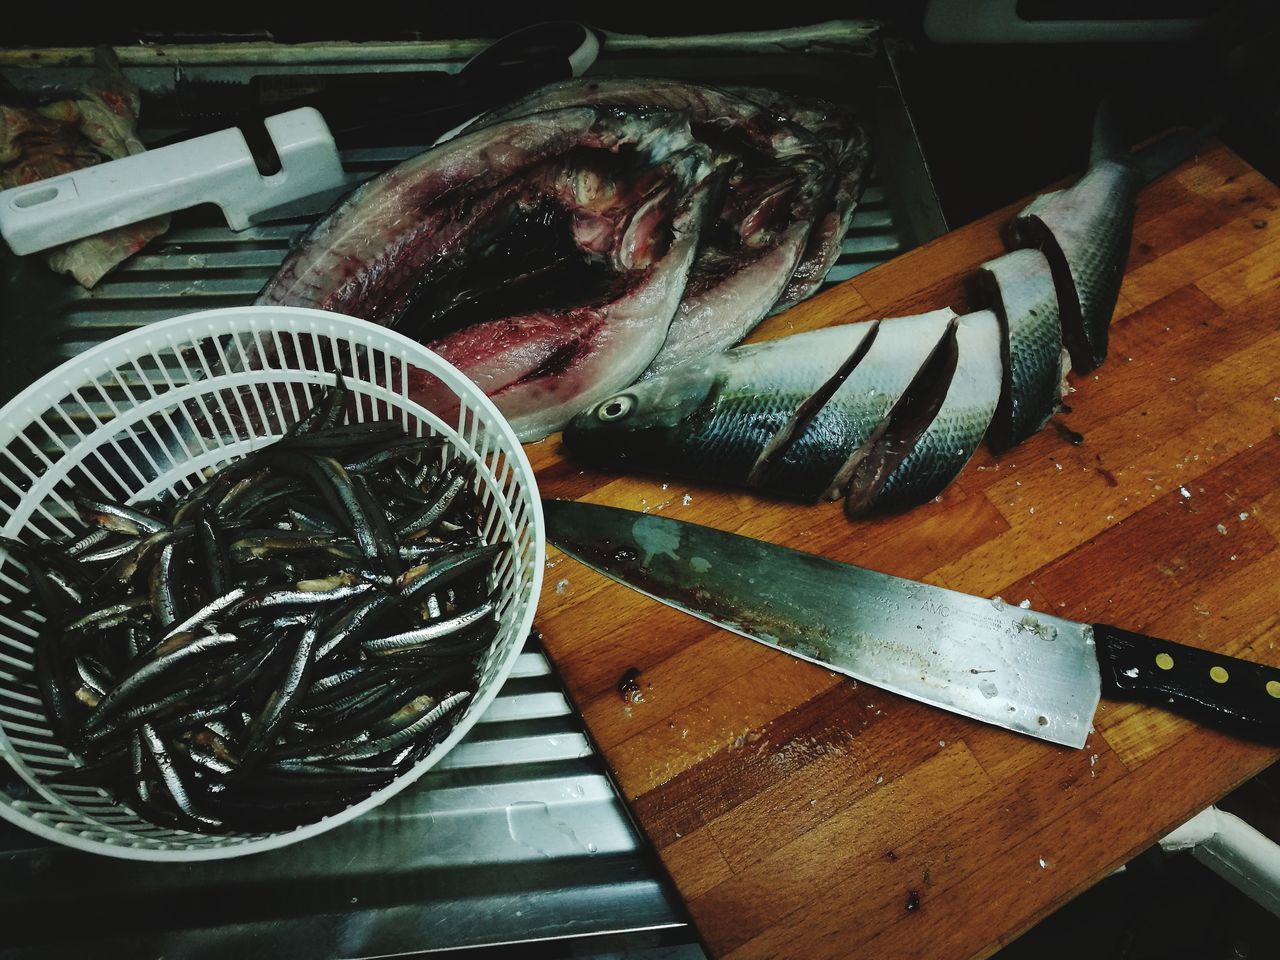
(644, 425)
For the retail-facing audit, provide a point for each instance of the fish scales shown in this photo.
(953, 435)
(1019, 288)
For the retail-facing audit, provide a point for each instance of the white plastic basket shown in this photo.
(145, 413)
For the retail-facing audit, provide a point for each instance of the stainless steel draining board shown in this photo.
(518, 835)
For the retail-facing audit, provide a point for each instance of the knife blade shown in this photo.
(1016, 668)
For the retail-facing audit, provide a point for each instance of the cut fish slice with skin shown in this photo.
(821, 459)
(1084, 233)
(542, 368)
(948, 442)
(1019, 288)
(717, 418)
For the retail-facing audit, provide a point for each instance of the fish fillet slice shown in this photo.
(821, 457)
(953, 434)
(896, 435)
(1084, 231)
(1019, 288)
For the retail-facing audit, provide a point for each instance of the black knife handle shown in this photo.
(1233, 695)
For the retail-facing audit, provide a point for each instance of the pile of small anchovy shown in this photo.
(289, 636)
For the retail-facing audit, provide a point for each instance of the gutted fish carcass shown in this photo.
(778, 178)
(1019, 288)
(850, 148)
(542, 367)
(544, 256)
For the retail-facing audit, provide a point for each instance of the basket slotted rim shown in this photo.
(506, 485)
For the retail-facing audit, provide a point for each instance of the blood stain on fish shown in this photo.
(913, 901)
(1107, 475)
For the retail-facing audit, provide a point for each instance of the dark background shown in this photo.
(996, 122)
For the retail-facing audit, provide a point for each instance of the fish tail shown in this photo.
(1158, 158)
(1110, 141)
(1113, 132)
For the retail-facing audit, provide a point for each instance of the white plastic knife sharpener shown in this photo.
(215, 168)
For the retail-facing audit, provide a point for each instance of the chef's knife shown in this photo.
(1016, 668)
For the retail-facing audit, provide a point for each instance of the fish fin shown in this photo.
(1110, 141)
(1115, 127)
(1158, 158)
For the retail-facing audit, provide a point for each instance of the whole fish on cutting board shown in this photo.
(886, 413)
(779, 178)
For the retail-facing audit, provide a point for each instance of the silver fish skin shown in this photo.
(1084, 232)
(782, 178)
(953, 435)
(792, 417)
(1019, 288)
(850, 148)
(713, 419)
(822, 458)
(366, 255)
(543, 367)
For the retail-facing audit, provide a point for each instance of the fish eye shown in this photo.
(615, 408)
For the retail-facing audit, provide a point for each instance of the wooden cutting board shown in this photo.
(801, 814)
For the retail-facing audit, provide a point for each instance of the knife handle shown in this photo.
(1233, 695)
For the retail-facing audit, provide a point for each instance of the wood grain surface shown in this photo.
(801, 814)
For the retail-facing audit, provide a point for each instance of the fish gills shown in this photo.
(820, 459)
(847, 141)
(1019, 288)
(1084, 233)
(954, 433)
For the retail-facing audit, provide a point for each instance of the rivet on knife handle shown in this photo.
(1233, 695)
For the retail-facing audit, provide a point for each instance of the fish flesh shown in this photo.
(797, 416)
(1019, 287)
(369, 255)
(850, 148)
(544, 257)
(778, 178)
(1084, 232)
(541, 368)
